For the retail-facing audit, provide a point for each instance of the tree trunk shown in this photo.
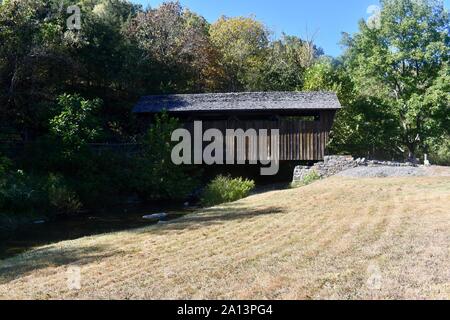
(412, 153)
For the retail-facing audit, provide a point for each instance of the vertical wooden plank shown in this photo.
(304, 144)
(299, 137)
(291, 142)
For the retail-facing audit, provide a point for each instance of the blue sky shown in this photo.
(325, 19)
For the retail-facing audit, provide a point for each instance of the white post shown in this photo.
(425, 161)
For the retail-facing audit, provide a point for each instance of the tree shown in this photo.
(286, 62)
(174, 46)
(242, 44)
(364, 125)
(76, 124)
(33, 62)
(40, 58)
(329, 75)
(403, 62)
(157, 177)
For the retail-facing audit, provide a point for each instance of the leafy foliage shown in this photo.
(226, 189)
(403, 64)
(242, 44)
(61, 198)
(21, 193)
(285, 63)
(157, 176)
(76, 124)
(439, 151)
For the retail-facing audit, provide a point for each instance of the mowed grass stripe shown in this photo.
(313, 242)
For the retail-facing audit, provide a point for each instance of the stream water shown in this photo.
(83, 224)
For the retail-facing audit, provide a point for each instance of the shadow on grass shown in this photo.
(214, 216)
(44, 257)
(40, 258)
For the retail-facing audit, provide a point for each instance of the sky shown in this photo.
(321, 20)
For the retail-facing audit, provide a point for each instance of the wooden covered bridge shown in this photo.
(304, 119)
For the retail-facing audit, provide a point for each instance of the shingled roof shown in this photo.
(243, 101)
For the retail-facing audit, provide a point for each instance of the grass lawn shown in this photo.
(337, 238)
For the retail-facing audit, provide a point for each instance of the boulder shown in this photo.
(155, 216)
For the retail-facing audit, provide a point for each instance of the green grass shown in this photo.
(308, 179)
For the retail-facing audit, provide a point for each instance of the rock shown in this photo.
(155, 216)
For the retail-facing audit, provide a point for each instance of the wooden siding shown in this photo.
(298, 140)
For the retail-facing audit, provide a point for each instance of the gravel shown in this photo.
(383, 171)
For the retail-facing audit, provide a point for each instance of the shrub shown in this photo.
(440, 151)
(307, 179)
(5, 165)
(61, 198)
(20, 192)
(226, 189)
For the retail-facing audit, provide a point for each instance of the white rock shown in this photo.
(155, 216)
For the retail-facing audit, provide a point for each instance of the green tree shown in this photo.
(242, 44)
(329, 75)
(157, 177)
(33, 62)
(76, 124)
(174, 48)
(403, 62)
(364, 126)
(286, 62)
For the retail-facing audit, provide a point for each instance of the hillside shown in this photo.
(337, 238)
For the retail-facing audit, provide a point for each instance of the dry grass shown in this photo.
(338, 238)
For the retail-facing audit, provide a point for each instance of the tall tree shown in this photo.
(33, 61)
(242, 43)
(364, 126)
(286, 62)
(174, 47)
(403, 61)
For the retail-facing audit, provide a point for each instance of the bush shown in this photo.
(440, 151)
(20, 193)
(307, 179)
(226, 189)
(5, 165)
(61, 198)
(24, 194)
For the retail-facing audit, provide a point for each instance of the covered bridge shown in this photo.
(303, 118)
